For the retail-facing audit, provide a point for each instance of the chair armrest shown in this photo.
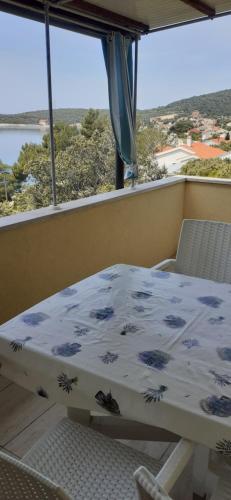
(150, 487)
(175, 464)
(165, 265)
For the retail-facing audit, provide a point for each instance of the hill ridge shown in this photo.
(211, 104)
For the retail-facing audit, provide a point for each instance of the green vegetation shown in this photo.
(215, 104)
(208, 168)
(85, 164)
(65, 115)
(149, 141)
(8, 183)
(196, 136)
(226, 146)
(212, 105)
(93, 121)
(181, 127)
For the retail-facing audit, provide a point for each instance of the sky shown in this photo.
(173, 64)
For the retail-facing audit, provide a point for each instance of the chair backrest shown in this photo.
(18, 481)
(148, 487)
(204, 250)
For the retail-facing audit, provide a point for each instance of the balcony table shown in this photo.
(147, 345)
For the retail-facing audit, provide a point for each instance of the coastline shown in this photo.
(21, 126)
(14, 135)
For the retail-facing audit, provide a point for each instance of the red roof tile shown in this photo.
(199, 149)
(205, 151)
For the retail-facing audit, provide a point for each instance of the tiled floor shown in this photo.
(24, 417)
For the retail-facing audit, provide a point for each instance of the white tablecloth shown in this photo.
(138, 343)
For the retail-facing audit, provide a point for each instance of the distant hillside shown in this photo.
(214, 104)
(67, 115)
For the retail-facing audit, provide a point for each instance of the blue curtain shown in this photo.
(117, 50)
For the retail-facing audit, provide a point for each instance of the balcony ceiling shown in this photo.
(160, 13)
(138, 16)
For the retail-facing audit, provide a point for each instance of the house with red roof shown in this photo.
(173, 158)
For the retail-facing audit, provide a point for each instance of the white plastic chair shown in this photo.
(77, 463)
(204, 250)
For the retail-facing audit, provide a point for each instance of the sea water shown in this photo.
(12, 139)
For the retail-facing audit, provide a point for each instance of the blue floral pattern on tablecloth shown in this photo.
(215, 405)
(34, 319)
(66, 349)
(136, 342)
(141, 295)
(154, 395)
(216, 321)
(129, 328)
(155, 359)
(71, 307)
(68, 292)
(107, 402)
(109, 357)
(174, 321)
(18, 344)
(161, 274)
(221, 379)
(190, 343)
(102, 314)
(81, 331)
(211, 301)
(109, 276)
(66, 383)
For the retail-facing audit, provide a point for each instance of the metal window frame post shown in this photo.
(135, 95)
(50, 106)
(135, 81)
(119, 177)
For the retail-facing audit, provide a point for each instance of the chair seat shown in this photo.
(84, 461)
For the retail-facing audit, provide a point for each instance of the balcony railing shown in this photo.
(46, 250)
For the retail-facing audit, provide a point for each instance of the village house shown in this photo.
(173, 158)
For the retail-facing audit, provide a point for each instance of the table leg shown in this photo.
(200, 471)
(79, 415)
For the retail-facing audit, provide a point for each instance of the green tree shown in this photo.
(29, 152)
(63, 134)
(6, 208)
(82, 169)
(208, 168)
(150, 140)
(181, 127)
(8, 183)
(85, 165)
(92, 122)
(150, 171)
(226, 146)
(196, 136)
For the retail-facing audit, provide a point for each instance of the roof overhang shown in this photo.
(131, 16)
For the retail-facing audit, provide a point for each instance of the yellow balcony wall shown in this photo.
(207, 198)
(44, 251)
